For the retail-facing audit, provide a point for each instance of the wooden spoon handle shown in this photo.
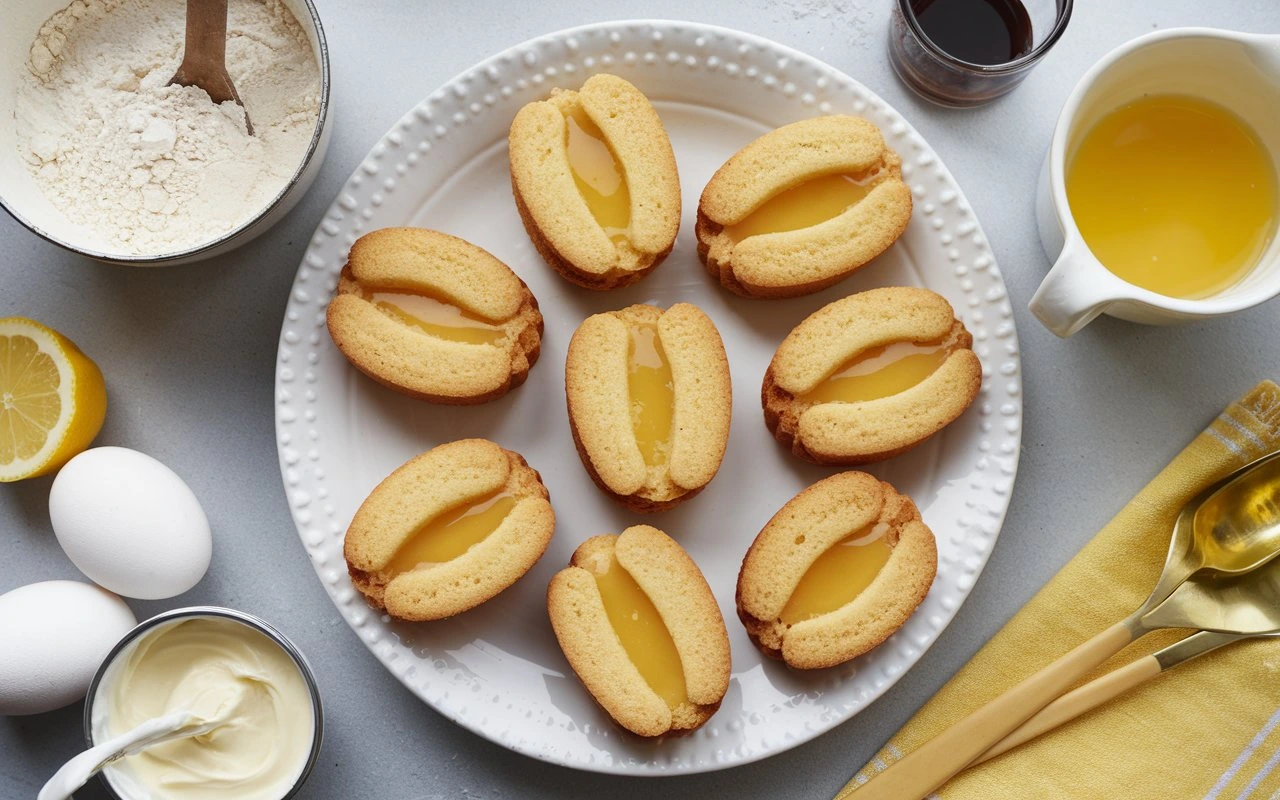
(206, 42)
(933, 763)
(1076, 702)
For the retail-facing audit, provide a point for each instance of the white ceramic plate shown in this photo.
(497, 670)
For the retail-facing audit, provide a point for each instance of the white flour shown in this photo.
(153, 168)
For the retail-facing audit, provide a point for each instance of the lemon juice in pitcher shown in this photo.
(1174, 194)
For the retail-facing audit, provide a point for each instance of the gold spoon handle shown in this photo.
(933, 763)
(1108, 687)
(1074, 703)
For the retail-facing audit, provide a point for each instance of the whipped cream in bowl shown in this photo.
(218, 664)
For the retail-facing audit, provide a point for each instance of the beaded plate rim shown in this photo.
(565, 56)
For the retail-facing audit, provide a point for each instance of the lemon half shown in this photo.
(52, 399)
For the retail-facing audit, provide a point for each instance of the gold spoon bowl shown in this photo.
(1238, 526)
(1230, 528)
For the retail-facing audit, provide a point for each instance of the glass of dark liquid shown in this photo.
(966, 52)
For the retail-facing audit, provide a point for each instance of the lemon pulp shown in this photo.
(52, 399)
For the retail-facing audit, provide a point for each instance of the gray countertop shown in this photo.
(189, 354)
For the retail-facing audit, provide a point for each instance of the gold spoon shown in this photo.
(1238, 531)
(204, 59)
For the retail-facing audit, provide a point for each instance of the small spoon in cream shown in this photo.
(74, 773)
(209, 709)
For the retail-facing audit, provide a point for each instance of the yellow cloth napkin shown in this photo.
(1209, 728)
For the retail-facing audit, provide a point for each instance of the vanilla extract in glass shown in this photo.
(966, 52)
(978, 31)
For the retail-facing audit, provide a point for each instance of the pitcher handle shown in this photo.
(1075, 291)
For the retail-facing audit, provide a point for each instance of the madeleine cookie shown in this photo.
(595, 181)
(870, 376)
(836, 571)
(802, 207)
(649, 402)
(448, 530)
(640, 627)
(434, 317)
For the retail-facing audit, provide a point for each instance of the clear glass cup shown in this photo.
(936, 75)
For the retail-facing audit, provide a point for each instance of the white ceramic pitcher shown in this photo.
(1236, 70)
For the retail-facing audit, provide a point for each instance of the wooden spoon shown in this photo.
(204, 61)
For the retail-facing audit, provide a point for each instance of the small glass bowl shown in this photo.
(940, 77)
(109, 778)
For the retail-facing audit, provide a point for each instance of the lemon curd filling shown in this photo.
(652, 394)
(434, 316)
(839, 575)
(447, 536)
(598, 175)
(813, 202)
(880, 372)
(642, 633)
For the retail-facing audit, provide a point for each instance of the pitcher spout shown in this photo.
(1075, 291)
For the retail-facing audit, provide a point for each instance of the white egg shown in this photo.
(130, 523)
(53, 636)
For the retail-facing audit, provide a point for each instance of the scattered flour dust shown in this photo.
(858, 15)
(151, 168)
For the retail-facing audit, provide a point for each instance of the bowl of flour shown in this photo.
(98, 154)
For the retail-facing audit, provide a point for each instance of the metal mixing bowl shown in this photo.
(112, 780)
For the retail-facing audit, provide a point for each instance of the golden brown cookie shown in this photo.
(802, 207)
(434, 317)
(448, 530)
(649, 402)
(640, 627)
(836, 571)
(870, 376)
(595, 182)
